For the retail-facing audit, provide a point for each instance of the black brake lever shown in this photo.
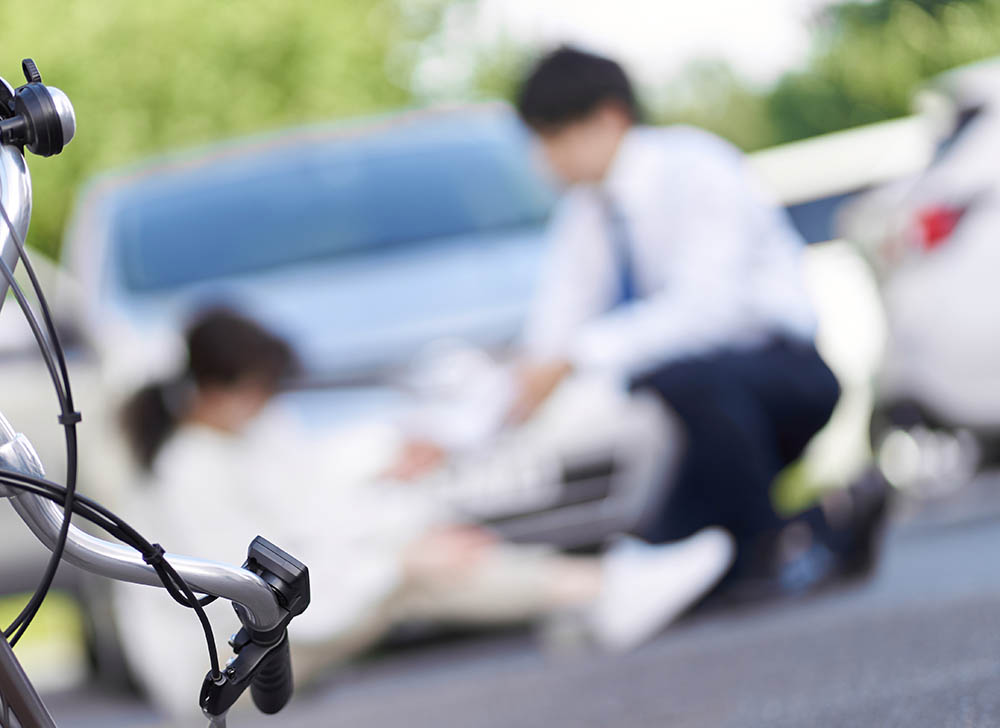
(218, 696)
(262, 661)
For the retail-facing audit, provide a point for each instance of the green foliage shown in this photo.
(855, 14)
(709, 95)
(499, 69)
(147, 76)
(869, 59)
(873, 57)
(150, 76)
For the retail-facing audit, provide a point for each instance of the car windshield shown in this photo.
(327, 199)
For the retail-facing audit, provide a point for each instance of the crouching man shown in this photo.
(671, 270)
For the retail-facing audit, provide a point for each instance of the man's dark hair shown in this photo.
(568, 84)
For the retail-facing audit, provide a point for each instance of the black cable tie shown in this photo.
(70, 418)
(155, 558)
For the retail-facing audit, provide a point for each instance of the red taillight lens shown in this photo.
(936, 224)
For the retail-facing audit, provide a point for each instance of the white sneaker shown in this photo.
(647, 587)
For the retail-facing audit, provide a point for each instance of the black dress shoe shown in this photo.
(871, 499)
(769, 572)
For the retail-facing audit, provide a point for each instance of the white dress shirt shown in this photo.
(715, 263)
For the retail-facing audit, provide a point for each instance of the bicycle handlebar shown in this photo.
(15, 194)
(270, 589)
(256, 604)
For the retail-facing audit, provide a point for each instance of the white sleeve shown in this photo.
(703, 299)
(572, 288)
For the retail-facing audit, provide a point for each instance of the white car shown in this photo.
(932, 237)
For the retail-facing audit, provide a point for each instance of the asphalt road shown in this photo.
(918, 645)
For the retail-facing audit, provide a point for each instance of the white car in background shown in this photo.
(933, 238)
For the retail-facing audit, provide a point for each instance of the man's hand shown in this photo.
(416, 459)
(536, 383)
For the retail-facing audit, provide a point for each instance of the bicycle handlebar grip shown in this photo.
(272, 685)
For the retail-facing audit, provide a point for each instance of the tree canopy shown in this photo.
(148, 76)
(868, 60)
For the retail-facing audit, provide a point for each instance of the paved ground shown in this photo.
(917, 646)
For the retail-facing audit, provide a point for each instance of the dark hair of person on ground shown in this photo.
(226, 352)
(568, 84)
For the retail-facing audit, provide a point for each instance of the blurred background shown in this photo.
(781, 71)
(240, 134)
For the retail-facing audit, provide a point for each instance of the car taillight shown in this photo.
(936, 224)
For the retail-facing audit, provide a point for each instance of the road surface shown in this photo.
(918, 645)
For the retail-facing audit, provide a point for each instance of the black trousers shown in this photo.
(747, 414)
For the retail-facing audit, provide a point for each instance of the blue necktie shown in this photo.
(621, 251)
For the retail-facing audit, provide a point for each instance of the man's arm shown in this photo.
(536, 381)
(572, 287)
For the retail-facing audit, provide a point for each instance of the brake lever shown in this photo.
(262, 656)
(218, 696)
